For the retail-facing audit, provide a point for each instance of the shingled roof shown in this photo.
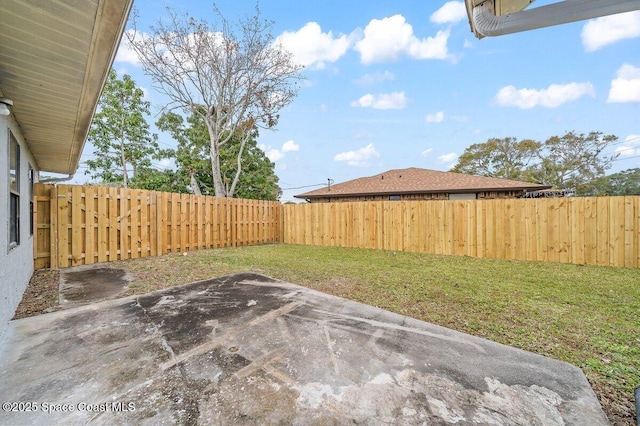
(419, 181)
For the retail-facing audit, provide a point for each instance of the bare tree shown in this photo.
(236, 72)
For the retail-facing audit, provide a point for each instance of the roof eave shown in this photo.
(106, 40)
(533, 187)
(54, 61)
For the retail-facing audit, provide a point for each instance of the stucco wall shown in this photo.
(16, 264)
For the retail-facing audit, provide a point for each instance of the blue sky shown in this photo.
(395, 84)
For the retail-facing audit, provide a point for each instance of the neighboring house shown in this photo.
(54, 60)
(420, 184)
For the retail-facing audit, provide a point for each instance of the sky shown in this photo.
(397, 84)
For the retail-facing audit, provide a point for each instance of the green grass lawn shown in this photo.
(585, 315)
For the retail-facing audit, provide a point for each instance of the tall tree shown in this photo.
(192, 155)
(505, 158)
(574, 161)
(158, 180)
(236, 72)
(626, 182)
(120, 133)
(258, 179)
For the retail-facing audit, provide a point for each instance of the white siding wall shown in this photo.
(16, 265)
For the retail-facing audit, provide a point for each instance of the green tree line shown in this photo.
(574, 161)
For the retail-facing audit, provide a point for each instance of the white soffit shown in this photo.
(55, 56)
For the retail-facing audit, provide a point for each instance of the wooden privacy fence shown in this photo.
(594, 230)
(78, 225)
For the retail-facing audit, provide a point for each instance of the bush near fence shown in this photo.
(78, 225)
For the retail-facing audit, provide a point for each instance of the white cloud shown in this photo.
(359, 158)
(125, 53)
(450, 12)
(426, 152)
(290, 146)
(378, 77)
(551, 97)
(394, 100)
(275, 154)
(311, 47)
(626, 86)
(630, 147)
(601, 32)
(388, 39)
(438, 117)
(448, 158)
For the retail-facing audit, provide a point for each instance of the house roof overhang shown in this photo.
(55, 56)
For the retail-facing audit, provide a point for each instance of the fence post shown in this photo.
(280, 215)
(53, 220)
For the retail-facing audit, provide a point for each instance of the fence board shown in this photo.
(591, 231)
(145, 240)
(577, 231)
(617, 211)
(91, 217)
(162, 210)
(602, 244)
(103, 239)
(501, 235)
(125, 211)
(134, 223)
(42, 207)
(629, 216)
(204, 224)
(55, 237)
(63, 226)
(551, 220)
(518, 236)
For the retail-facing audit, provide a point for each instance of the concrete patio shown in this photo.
(246, 349)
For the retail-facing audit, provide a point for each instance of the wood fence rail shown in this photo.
(593, 230)
(77, 225)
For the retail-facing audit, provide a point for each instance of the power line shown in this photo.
(306, 186)
(625, 141)
(627, 158)
(631, 148)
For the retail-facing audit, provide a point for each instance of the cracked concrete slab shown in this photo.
(247, 349)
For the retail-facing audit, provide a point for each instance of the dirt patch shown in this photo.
(89, 284)
(41, 295)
